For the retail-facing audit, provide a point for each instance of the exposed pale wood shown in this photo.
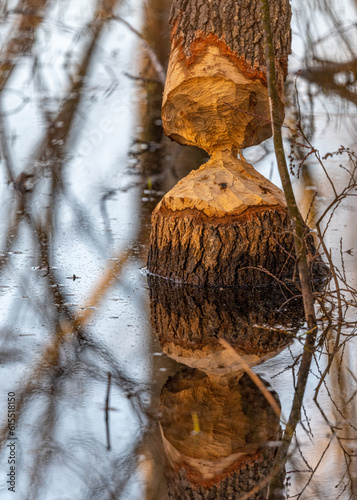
(216, 94)
(213, 104)
(224, 186)
(225, 224)
(214, 433)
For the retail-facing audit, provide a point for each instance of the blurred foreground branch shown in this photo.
(327, 76)
(29, 17)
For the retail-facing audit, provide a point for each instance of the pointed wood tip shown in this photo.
(223, 186)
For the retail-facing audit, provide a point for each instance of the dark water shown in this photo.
(123, 388)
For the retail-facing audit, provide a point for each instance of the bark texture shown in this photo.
(189, 322)
(226, 455)
(237, 25)
(230, 487)
(253, 248)
(224, 225)
(216, 89)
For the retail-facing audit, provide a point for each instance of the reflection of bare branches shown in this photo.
(295, 413)
(255, 379)
(69, 326)
(71, 350)
(45, 432)
(338, 78)
(329, 9)
(326, 77)
(22, 39)
(142, 79)
(12, 230)
(151, 53)
(83, 219)
(52, 147)
(313, 471)
(5, 150)
(107, 411)
(342, 429)
(105, 197)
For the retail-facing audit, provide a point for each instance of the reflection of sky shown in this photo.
(97, 164)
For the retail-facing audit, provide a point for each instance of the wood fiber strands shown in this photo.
(216, 89)
(224, 224)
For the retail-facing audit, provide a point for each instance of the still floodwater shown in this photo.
(121, 386)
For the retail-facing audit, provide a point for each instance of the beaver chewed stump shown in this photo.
(221, 225)
(224, 224)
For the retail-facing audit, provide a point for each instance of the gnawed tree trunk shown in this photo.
(216, 436)
(225, 223)
(216, 90)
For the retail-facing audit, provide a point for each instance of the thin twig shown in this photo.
(107, 411)
(151, 53)
(254, 377)
(300, 249)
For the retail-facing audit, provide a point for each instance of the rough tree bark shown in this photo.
(224, 219)
(217, 61)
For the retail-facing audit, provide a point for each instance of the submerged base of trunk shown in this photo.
(225, 225)
(256, 247)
